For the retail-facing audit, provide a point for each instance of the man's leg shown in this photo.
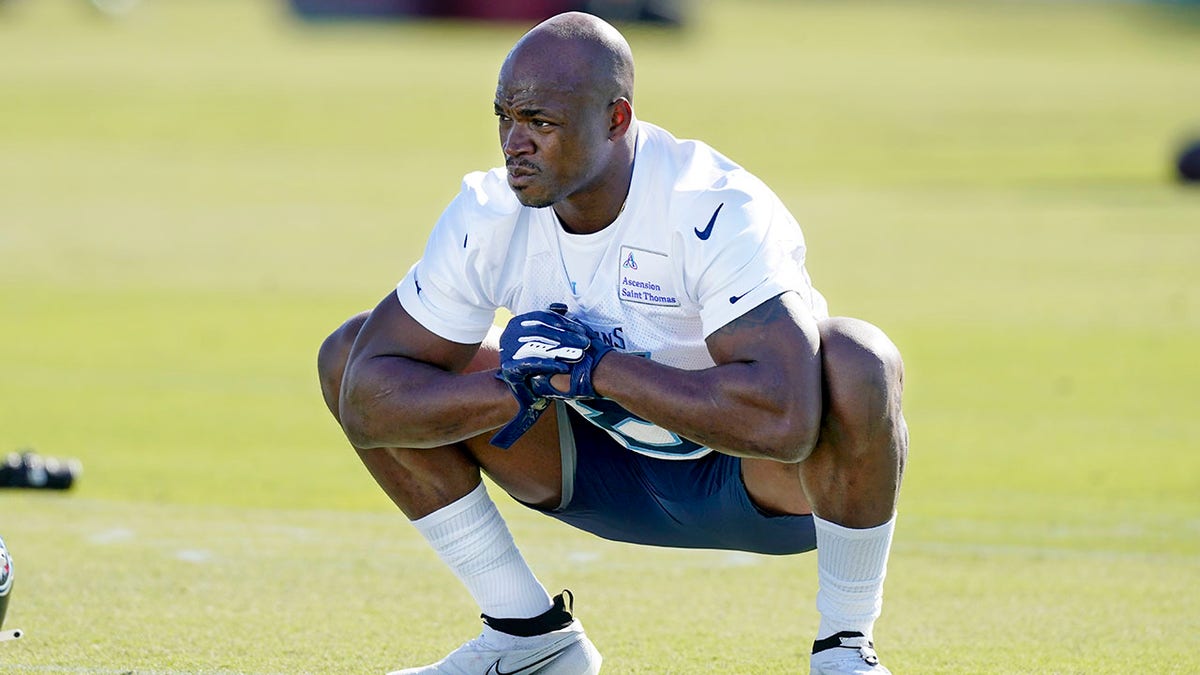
(440, 491)
(419, 483)
(852, 478)
(850, 482)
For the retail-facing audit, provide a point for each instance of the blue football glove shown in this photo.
(540, 343)
(535, 346)
(532, 408)
(580, 368)
(581, 378)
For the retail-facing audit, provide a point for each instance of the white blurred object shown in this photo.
(115, 8)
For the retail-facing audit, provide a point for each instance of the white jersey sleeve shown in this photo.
(742, 247)
(454, 289)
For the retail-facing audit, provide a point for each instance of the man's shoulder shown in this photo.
(488, 193)
(706, 201)
(484, 205)
(700, 175)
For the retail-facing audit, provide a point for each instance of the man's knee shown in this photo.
(332, 357)
(864, 374)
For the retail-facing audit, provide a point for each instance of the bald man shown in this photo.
(688, 390)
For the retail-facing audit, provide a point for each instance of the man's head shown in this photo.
(564, 104)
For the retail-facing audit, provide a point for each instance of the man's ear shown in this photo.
(622, 117)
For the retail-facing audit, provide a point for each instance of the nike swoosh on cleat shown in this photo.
(707, 231)
(526, 669)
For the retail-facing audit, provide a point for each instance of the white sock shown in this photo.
(473, 540)
(851, 565)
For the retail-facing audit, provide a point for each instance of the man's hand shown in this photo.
(538, 345)
(534, 347)
(532, 408)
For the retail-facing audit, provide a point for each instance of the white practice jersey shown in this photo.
(699, 242)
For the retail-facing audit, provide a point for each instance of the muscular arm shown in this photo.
(403, 386)
(762, 399)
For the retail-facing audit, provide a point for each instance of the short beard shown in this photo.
(534, 203)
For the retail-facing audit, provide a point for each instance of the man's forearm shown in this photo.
(395, 402)
(742, 409)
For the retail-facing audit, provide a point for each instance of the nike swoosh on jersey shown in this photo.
(707, 231)
(734, 298)
(528, 668)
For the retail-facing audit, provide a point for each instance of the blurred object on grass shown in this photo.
(667, 12)
(28, 469)
(115, 8)
(1187, 164)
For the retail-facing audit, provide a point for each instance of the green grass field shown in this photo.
(192, 197)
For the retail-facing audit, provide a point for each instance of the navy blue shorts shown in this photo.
(618, 494)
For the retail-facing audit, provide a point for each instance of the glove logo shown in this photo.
(537, 347)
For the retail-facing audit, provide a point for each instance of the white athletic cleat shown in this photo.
(845, 653)
(565, 650)
(562, 652)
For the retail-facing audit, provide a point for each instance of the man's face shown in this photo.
(553, 138)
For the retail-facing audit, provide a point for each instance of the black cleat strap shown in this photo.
(834, 641)
(555, 618)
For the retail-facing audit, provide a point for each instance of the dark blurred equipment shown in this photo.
(663, 12)
(360, 9)
(27, 469)
(1188, 162)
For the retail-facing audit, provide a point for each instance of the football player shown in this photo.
(687, 388)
